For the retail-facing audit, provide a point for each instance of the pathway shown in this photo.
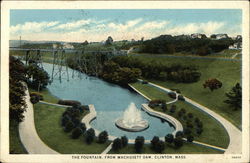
(28, 135)
(52, 104)
(234, 133)
(235, 55)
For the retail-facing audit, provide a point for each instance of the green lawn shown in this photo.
(187, 148)
(154, 92)
(16, 146)
(228, 72)
(47, 121)
(213, 132)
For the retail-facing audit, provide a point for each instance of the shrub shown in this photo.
(190, 115)
(90, 135)
(154, 103)
(190, 138)
(200, 124)
(139, 142)
(39, 95)
(187, 131)
(183, 110)
(159, 146)
(154, 141)
(76, 121)
(65, 120)
(172, 95)
(34, 99)
(180, 113)
(189, 124)
(103, 137)
(117, 144)
(212, 84)
(69, 126)
(184, 117)
(181, 98)
(179, 134)
(178, 142)
(76, 133)
(82, 127)
(199, 131)
(196, 120)
(169, 138)
(144, 82)
(173, 108)
(164, 107)
(69, 102)
(124, 140)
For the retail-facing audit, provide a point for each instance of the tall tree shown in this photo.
(235, 97)
(109, 41)
(16, 89)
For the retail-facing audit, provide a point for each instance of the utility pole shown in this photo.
(20, 41)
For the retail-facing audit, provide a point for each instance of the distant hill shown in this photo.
(16, 43)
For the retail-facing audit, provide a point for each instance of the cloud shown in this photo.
(73, 25)
(32, 27)
(152, 25)
(206, 28)
(125, 26)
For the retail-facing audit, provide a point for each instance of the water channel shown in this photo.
(110, 102)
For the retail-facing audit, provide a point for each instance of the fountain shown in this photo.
(132, 120)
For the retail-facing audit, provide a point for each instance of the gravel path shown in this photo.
(28, 135)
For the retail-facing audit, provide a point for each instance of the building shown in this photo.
(237, 45)
(198, 35)
(219, 36)
(67, 46)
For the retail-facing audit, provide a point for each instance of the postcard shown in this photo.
(127, 81)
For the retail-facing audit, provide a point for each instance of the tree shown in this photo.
(109, 41)
(124, 140)
(85, 43)
(82, 127)
(76, 133)
(178, 142)
(103, 137)
(164, 107)
(38, 78)
(69, 126)
(139, 142)
(190, 138)
(16, 90)
(159, 146)
(235, 97)
(117, 144)
(212, 84)
(154, 141)
(169, 138)
(90, 135)
(179, 134)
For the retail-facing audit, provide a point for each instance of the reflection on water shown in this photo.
(109, 100)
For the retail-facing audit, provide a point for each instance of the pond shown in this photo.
(109, 100)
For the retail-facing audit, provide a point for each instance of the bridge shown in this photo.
(58, 57)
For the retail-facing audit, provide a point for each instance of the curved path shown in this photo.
(28, 135)
(235, 135)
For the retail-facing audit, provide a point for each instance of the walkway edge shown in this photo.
(28, 134)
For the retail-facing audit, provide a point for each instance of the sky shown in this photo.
(97, 25)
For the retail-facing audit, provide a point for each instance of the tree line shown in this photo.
(167, 44)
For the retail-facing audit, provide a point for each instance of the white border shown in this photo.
(7, 5)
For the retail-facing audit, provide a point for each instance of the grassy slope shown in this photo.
(213, 131)
(187, 148)
(16, 146)
(47, 121)
(229, 72)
